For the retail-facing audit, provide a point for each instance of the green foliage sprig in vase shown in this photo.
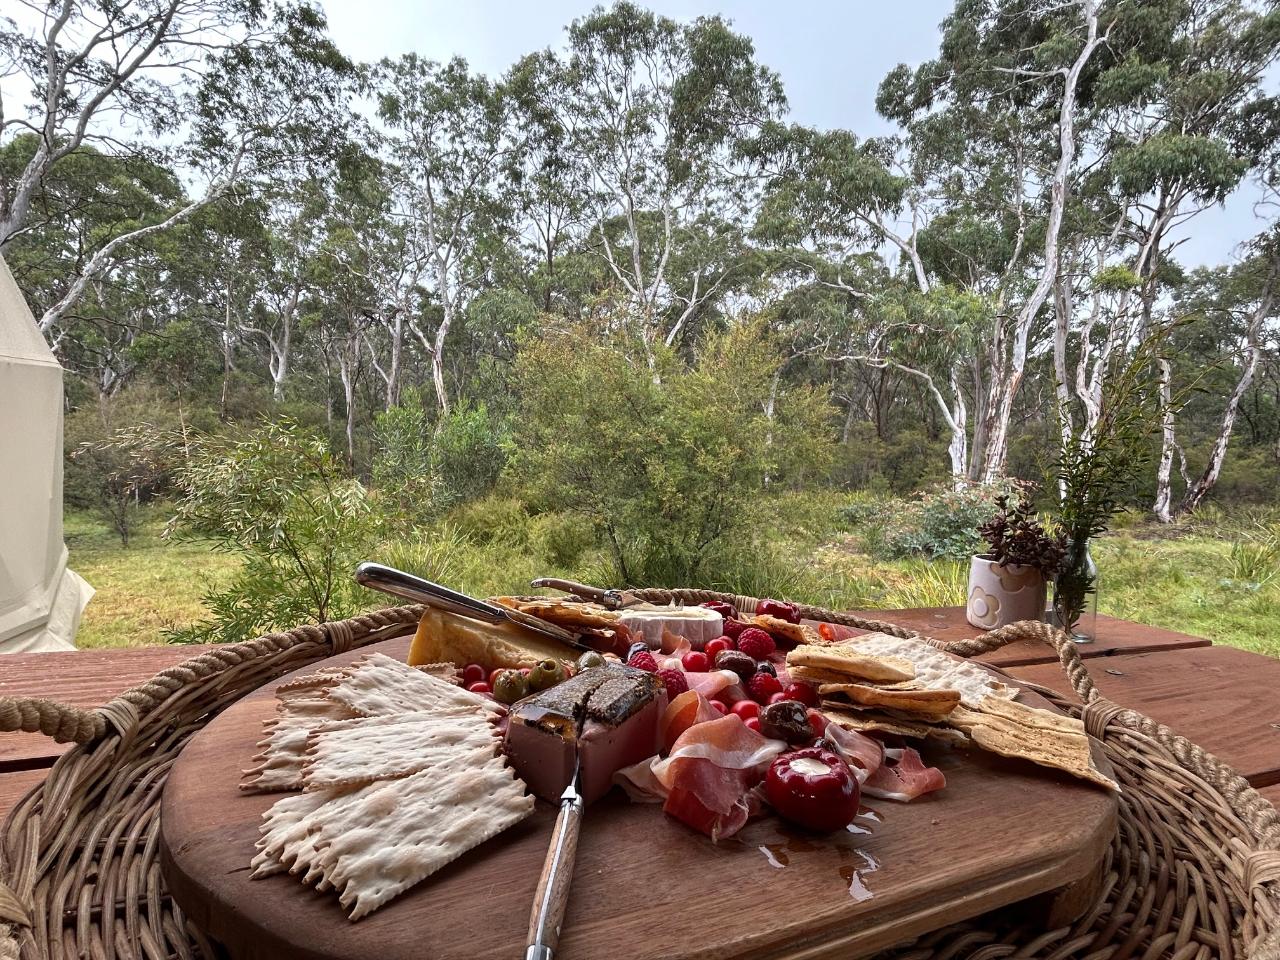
(1097, 472)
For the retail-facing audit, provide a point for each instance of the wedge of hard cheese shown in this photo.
(445, 637)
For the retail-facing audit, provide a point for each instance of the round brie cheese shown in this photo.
(695, 624)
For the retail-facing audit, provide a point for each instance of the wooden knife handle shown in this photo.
(552, 897)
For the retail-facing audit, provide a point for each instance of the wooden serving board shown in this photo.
(645, 886)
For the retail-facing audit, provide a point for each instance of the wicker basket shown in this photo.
(1193, 871)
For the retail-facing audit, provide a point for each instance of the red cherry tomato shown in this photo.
(480, 686)
(474, 673)
(720, 705)
(715, 646)
(695, 661)
(803, 692)
(818, 722)
(746, 709)
(753, 723)
(814, 788)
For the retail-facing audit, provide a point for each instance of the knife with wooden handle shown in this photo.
(552, 896)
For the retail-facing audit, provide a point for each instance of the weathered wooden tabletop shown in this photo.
(1226, 700)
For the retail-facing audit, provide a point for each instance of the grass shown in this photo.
(143, 589)
(1215, 577)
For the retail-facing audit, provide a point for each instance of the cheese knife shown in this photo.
(552, 896)
(376, 576)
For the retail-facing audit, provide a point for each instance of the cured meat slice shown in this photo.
(683, 712)
(712, 768)
(713, 682)
(904, 779)
(863, 754)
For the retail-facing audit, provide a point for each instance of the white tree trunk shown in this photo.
(998, 438)
(1197, 491)
(1168, 444)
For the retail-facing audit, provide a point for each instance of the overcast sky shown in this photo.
(831, 55)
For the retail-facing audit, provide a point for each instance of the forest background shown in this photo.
(613, 314)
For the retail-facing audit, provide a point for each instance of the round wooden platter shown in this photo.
(645, 885)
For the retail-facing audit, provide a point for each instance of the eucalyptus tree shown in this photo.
(449, 147)
(1183, 111)
(659, 119)
(1241, 306)
(1007, 85)
(221, 89)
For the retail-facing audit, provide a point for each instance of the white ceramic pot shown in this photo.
(1000, 595)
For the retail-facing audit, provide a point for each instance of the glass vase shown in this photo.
(1075, 593)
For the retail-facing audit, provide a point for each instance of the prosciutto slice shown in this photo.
(707, 780)
(864, 755)
(713, 682)
(683, 712)
(904, 779)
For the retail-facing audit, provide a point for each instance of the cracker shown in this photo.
(1016, 730)
(442, 671)
(846, 662)
(919, 702)
(289, 828)
(796, 634)
(934, 668)
(381, 686)
(877, 721)
(400, 834)
(573, 616)
(355, 752)
(278, 763)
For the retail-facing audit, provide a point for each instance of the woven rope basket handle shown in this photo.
(68, 724)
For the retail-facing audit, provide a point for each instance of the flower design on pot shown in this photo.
(984, 608)
(1014, 577)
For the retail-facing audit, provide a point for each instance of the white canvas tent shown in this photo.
(40, 599)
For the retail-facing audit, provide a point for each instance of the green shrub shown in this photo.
(940, 523)
(666, 463)
(276, 497)
(424, 466)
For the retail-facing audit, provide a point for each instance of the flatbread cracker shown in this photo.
(379, 686)
(355, 752)
(934, 668)
(797, 634)
(848, 663)
(919, 702)
(399, 835)
(563, 613)
(1016, 730)
(876, 721)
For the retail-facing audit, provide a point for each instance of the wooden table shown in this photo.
(1225, 699)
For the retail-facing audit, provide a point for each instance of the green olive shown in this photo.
(547, 674)
(590, 659)
(510, 686)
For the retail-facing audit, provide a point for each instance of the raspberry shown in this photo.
(675, 681)
(755, 643)
(762, 687)
(733, 627)
(643, 660)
